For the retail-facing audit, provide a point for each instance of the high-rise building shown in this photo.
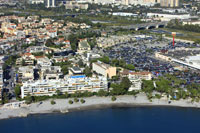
(50, 3)
(169, 3)
(1, 81)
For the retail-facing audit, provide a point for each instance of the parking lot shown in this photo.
(142, 57)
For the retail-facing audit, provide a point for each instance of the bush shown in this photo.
(113, 98)
(82, 101)
(76, 100)
(53, 102)
(70, 102)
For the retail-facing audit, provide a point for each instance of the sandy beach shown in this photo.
(63, 106)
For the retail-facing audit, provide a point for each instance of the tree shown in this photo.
(117, 89)
(5, 98)
(76, 100)
(53, 102)
(49, 43)
(147, 86)
(113, 98)
(130, 67)
(158, 96)
(80, 63)
(58, 92)
(23, 62)
(102, 93)
(64, 69)
(125, 83)
(18, 90)
(82, 101)
(105, 59)
(66, 94)
(70, 102)
(87, 71)
(29, 99)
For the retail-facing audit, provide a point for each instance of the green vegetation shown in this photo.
(82, 101)
(118, 90)
(102, 93)
(29, 99)
(64, 66)
(122, 88)
(53, 102)
(5, 98)
(115, 62)
(11, 60)
(17, 90)
(74, 38)
(171, 86)
(38, 54)
(76, 100)
(50, 43)
(187, 27)
(24, 46)
(87, 71)
(70, 102)
(113, 98)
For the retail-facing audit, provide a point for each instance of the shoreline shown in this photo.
(92, 103)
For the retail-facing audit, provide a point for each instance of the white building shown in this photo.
(43, 61)
(124, 14)
(50, 3)
(136, 84)
(36, 1)
(35, 49)
(140, 75)
(25, 73)
(136, 78)
(69, 84)
(104, 69)
(50, 72)
(1, 81)
(75, 71)
(168, 17)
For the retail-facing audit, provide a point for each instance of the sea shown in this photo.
(110, 120)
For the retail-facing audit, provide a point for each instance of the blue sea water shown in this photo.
(112, 120)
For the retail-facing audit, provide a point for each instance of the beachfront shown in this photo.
(63, 106)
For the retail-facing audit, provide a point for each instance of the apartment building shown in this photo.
(50, 3)
(26, 59)
(1, 81)
(43, 61)
(25, 73)
(50, 72)
(104, 69)
(83, 46)
(136, 84)
(70, 84)
(35, 49)
(169, 3)
(140, 75)
(76, 5)
(36, 1)
(75, 71)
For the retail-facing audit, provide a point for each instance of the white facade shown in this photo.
(140, 75)
(136, 79)
(136, 84)
(1, 80)
(168, 17)
(124, 14)
(50, 3)
(44, 61)
(104, 69)
(69, 84)
(36, 1)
